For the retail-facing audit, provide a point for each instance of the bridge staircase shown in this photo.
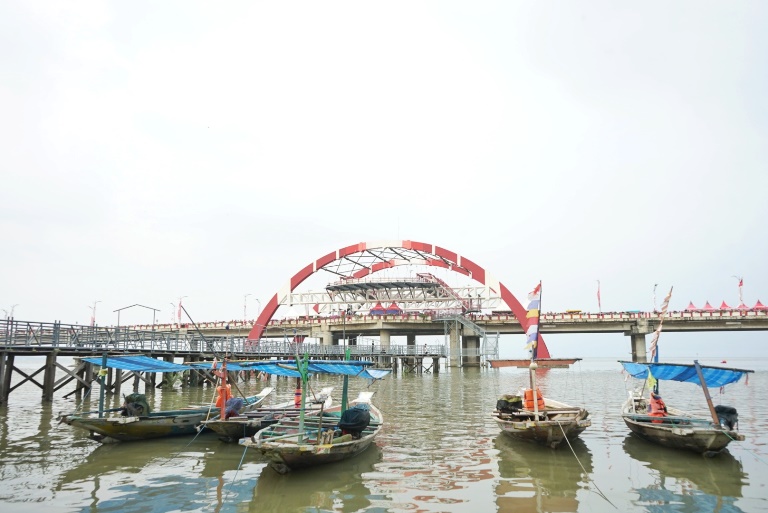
(490, 343)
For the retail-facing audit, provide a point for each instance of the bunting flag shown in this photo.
(532, 333)
(662, 314)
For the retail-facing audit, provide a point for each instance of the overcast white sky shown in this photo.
(156, 150)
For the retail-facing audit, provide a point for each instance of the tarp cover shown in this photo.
(714, 376)
(288, 368)
(138, 363)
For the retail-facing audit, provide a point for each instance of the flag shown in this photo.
(741, 297)
(662, 314)
(532, 314)
(599, 306)
(316, 308)
(651, 381)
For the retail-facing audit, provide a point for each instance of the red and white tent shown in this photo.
(691, 307)
(724, 306)
(708, 307)
(759, 307)
(742, 306)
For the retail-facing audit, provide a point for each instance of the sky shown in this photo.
(157, 151)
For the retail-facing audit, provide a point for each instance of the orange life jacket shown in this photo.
(224, 393)
(657, 408)
(528, 399)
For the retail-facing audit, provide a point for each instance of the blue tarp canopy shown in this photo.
(288, 368)
(714, 376)
(139, 363)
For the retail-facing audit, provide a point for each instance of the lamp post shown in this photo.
(173, 314)
(179, 313)
(245, 307)
(154, 311)
(93, 312)
(7, 315)
(258, 310)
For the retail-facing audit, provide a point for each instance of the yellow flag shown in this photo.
(651, 380)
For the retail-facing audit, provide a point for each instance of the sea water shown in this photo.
(440, 451)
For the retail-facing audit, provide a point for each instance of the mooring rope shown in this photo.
(599, 491)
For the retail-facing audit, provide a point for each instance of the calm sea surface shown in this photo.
(439, 452)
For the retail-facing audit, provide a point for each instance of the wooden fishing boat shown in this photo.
(336, 434)
(529, 415)
(155, 424)
(677, 428)
(651, 419)
(541, 362)
(135, 421)
(248, 424)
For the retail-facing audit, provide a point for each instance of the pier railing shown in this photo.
(76, 339)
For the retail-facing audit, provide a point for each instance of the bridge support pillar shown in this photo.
(455, 345)
(470, 347)
(638, 347)
(384, 338)
(49, 377)
(326, 338)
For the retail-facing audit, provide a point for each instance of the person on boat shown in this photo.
(657, 408)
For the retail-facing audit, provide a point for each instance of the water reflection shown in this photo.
(687, 481)
(337, 486)
(535, 478)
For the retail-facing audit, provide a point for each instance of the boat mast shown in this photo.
(533, 366)
(706, 393)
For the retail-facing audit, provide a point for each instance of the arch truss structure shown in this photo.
(353, 265)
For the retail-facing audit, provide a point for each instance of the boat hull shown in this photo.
(556, 423)
(160, 424)
(690, 437)
(542, 363)
(280, 445)
(128, 429)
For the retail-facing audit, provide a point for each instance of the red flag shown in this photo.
(599, 306)
(316, 308)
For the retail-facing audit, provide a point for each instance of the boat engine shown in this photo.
(728, 416)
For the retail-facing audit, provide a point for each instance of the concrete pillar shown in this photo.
(471, 346)
(435, 365)
(326, 338)
(385, 340)
(455, 342)
(638, 347)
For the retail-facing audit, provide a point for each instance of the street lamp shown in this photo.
(154, 311)
(179, 314)
(10, 316)
(173, 314)
(93, 312)
(245, 306)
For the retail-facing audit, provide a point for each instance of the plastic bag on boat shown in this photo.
(727, 415)
(355, 420)
(232, 407)
(135, 405)
(509, 403)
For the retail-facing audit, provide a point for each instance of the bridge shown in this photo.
(362, 312)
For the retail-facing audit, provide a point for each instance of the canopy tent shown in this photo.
(394, 309)
(691, 307)
(378, 309)
(714, 376)
(288, 368)
(743, 307)
(759, 307)
(708, 307)
(724, 306)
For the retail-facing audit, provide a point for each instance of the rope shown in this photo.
(600, 492)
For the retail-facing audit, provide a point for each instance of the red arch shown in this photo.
(390, 254)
